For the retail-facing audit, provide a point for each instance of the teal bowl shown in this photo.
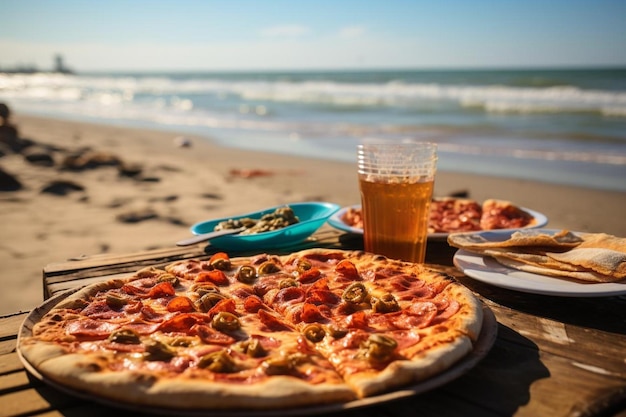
(312, 216)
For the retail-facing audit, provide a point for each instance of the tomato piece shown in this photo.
(311, 314)
(215, 276)
(162, 289)
(310, 275)
(252, 304)
(180, 303)
(227, 305)
(219, 256)
(322, 297)
(271, 322)
(348, 270)
(321, 284)
(220, 260)
(180, 323)
(357, 320)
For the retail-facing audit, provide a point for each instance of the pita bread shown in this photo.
(592, 257)
(603, 240)
(563, 239)
(588, 276)
(604, 261)
(539, 260)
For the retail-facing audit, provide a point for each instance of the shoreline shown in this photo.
(174, 186)
(472, 155)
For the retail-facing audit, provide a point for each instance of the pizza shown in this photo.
(501, 214)
(454, 215)
(261, 332)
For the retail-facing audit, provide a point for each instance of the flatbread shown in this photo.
(550, 272)
(591, 257)
(604, 261)
(563, 239)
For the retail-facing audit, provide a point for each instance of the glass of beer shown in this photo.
(396, 180)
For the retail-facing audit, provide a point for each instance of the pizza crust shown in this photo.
(87, 373)
(431, 361)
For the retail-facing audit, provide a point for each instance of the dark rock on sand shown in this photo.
(137, 216)
(129, 170)
(88, 159)
(39, 157)
(61, 187)
(9, 182)
(166, 199)
(212, 196)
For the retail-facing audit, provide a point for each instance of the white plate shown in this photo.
(488, 270)
(336, 221)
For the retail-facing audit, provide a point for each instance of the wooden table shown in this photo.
(553, 356)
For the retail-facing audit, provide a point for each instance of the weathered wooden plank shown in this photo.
(526, 382)
(601, 313)
(33, 401)
(107, 259)
(324, 237)
(59, 287)
(14, 381)
(584, 346)
(9, 325)
(10, 362)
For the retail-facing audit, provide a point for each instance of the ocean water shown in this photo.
(559, 126)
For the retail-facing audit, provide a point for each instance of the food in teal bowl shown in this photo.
(311, 216)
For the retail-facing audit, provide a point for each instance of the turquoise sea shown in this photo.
(565, 126)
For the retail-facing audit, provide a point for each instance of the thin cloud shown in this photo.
(352, 31)
(285, 31)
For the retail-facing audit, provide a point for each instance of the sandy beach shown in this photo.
(86, 189)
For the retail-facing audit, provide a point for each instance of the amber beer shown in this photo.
(395, 218)
(396, 181)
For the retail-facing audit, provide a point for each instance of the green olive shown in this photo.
(208, 300)
(182, 341)
(221, 264)
(385, 304)
(252, 348)
(219, 361)
(303, 265)
(299, 358)
(355, 293)
(225, 321)
(336, 332)
(379, 348)
(287, 282)
(167, 277)
(125, 336)
(202, 289)
(268, 267)
(116, 301)
(314, 332)
(246, 274)
(158, 351)
(278, 366)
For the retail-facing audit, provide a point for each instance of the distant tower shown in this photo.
(58, 64)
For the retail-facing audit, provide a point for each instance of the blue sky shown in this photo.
(271, 34)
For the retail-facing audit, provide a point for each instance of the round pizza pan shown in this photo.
(482, 346)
